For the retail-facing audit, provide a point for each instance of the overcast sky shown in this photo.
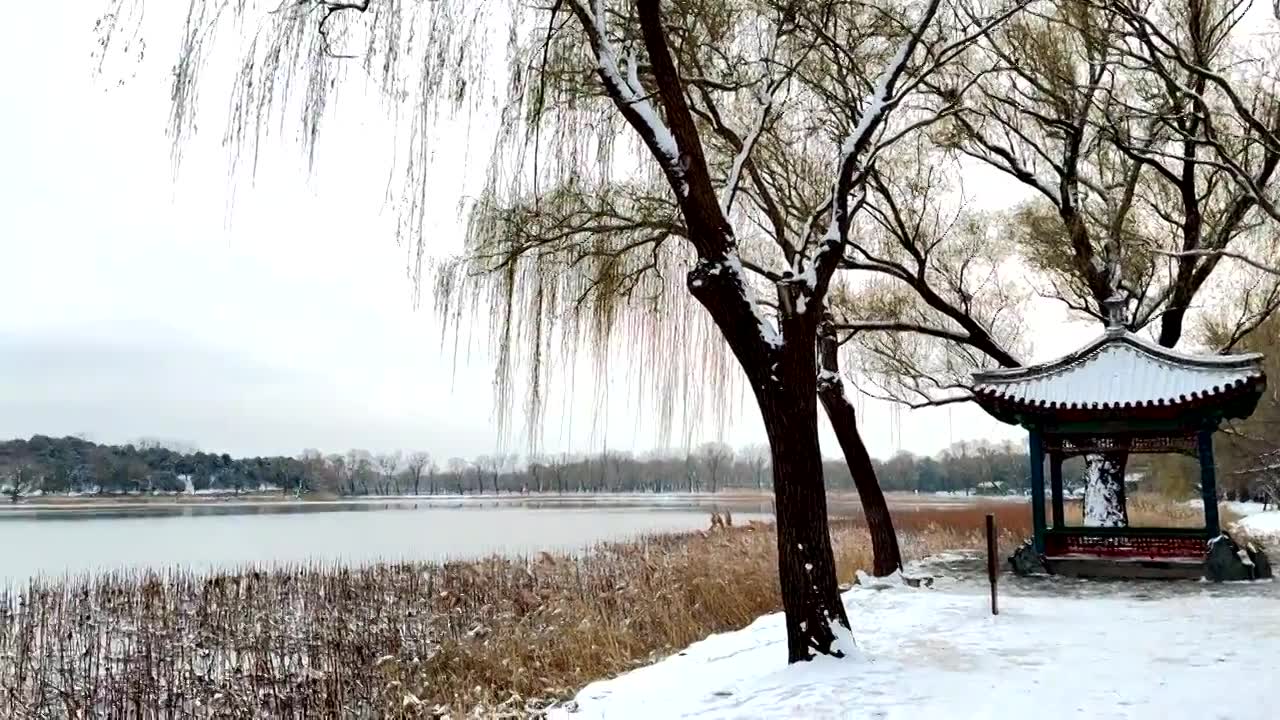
(135, 305)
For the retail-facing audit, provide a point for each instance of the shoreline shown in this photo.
(71, 503)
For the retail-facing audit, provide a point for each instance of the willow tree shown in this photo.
(680, 181)
(1146, 134)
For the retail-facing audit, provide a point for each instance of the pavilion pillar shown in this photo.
(1037, 490)
(1209, 482)
(1055, 487)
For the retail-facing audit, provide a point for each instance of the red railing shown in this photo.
(1130, 543)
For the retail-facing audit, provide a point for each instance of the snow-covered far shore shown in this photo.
(1173, 650)
(1241, 508)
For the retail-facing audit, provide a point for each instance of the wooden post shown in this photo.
(1037, 490)
(1055, 490)
(993, 565)
(1208, 483)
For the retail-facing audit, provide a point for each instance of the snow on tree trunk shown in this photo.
(784, 380)
(1104, 498)
(815, 616)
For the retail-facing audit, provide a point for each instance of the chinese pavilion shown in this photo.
(1118, 394)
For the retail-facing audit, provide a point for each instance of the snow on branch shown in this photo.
(816, 271)
(766, 100)
(628, 93)
(880, 101)
(732, 266)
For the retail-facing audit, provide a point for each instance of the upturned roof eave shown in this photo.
(1236, 401)
(1242, 361)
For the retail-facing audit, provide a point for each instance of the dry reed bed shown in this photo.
(490, 638)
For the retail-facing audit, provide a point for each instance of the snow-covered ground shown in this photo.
(1263, 527)
(1243, 509)
(1057, 650)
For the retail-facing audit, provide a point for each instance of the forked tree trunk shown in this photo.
(806, 565)
(1105, 503)
(887, 556)
(784, 380)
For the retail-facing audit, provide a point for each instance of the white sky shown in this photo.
(134, 305)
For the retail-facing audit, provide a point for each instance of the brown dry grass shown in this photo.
(498, 637)
(1150, 510)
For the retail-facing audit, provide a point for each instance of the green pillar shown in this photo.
(1037, 490)
(1209, 483)
(1055, 486)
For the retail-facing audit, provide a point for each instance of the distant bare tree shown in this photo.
(716, 458)
(18, 480)
(387, 464)
(537, 468)
(359, 468)
(507, 463)
(489, 467)
(458, 469)
(314, 469)
(337, 471)
(757, 460)
(556, 463)
(417, 464)
(482, 467)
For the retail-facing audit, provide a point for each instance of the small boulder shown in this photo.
(1223, 562)
(1026, 561)
(1261, 564)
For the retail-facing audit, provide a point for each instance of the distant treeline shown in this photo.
(966, 466)
(43, 465)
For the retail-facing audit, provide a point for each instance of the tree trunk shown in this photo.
(815, 616)
(884, 540)
(783, 373)
(1105, 504)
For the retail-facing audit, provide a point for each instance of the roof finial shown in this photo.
(1115, 310)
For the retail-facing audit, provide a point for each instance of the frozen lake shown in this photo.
(44, 540)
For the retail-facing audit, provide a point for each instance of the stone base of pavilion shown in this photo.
(1126, 551)
(1141, 553)
(1084, 566)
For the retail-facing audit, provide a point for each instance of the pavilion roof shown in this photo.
(1122, 375)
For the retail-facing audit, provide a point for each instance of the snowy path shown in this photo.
(1168, 651)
